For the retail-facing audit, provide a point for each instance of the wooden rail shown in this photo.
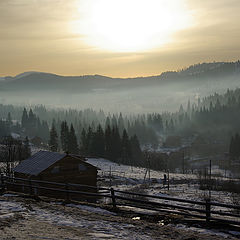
(200, 209)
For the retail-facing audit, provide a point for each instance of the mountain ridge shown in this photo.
(138, 94)
(190, 70)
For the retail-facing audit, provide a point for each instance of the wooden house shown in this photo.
(56, 167)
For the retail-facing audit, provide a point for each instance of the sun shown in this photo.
(130, 25)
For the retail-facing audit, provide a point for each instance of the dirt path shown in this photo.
(27, 219)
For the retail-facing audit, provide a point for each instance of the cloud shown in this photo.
(37, 34)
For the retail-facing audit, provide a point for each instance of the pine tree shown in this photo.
(24, 118)
(126, 148)
(32, 122)
(108, 142)
(83, 143)
(64, 136)
(53, 141)
(72, 141)
(44, 131)
(107, 123)
(136, 152)
(120, 123)
(89, 141)
(115, 145)
(4, 130)
(114, 121)
(97, 145)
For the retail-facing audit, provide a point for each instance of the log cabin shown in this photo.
(56, 167)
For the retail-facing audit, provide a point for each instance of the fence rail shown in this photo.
(200, 209)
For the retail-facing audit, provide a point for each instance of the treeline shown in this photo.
(107, 143)
(32, 125)
(215, 117)
(205, 70)
(12, 151)
(36, 121)
(234, 148)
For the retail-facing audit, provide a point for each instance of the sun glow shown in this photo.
(130, 25)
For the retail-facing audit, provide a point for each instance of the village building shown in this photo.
(55, 167)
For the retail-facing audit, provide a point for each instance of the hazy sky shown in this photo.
(116, 37)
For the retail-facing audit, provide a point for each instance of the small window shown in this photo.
(55, 169)
(81, 167)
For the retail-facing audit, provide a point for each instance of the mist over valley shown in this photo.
(164, 92)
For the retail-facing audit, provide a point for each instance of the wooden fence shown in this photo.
(225, 213)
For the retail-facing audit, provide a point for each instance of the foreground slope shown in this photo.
(22, 218)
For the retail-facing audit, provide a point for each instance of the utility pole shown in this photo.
(147, 156)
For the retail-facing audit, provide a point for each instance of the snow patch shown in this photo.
(6, 216)
(92, 209)
(6, 207)
(202, 231)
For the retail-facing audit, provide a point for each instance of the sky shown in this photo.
(117, 38)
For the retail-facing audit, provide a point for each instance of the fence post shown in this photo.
(208, 210)
(113, 198)
(168, 180)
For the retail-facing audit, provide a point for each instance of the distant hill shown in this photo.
(151, 93)
(48, 81)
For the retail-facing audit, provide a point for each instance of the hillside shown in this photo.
(162, 92)
(22, 218)
(46, 80)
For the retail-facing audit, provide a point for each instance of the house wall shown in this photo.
(67, 170)
(70, 170)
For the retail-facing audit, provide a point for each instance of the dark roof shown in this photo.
(38, 162)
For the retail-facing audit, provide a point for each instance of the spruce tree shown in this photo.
(64, 136)
(116, 148)
(44, 131)
(89, 141)
(126, 148)
(136, 152)
(120, 123)
(72, 141)
(53, 141)
(24, 118)
(108, 123)
(108, 142)
(83, 143)
(98, 142)
(32, 123)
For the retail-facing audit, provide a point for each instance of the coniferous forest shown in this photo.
(125, 138)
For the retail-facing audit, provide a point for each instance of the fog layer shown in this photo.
(139, 95)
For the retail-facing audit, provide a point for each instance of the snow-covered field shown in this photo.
(22, 218)
(184, 186)
(136, 173)
(27, 219)
(123, 177)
